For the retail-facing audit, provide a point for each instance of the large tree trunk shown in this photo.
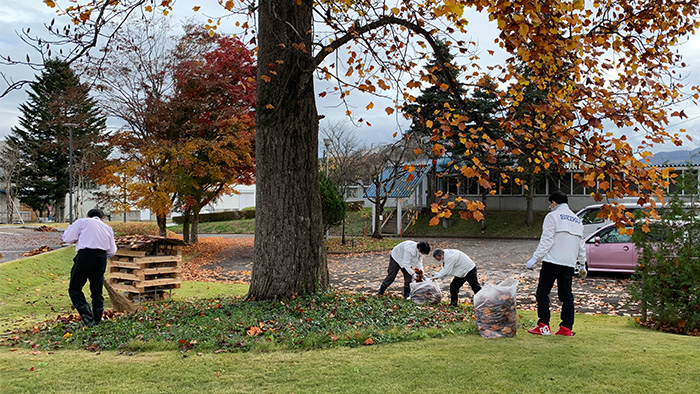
(186, 222)
(432, 185)
(530, 215)
(194, 230)
(378, 210)
(162, 228)
(483, 221)
(289, 247)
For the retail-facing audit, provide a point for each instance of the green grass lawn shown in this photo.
(609, 354)
(35, 288)
(500, 224)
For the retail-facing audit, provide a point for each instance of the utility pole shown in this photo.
(70, 169)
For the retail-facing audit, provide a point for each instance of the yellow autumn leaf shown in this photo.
(370, 105)
(265, 78)
(270, 106)
(395, 11)
(50, 3)
(389, 110)
(418, 151)
(523, 30)
(438, 149)
(434, 221)
(429, 123)
(196, 8)
(148, 8)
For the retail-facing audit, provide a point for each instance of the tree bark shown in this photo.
(530, 216)
(186, 222)
(290, 253)
(162, 229)
(379, 209)
(432, 185)
(483, 221)
(194, 230)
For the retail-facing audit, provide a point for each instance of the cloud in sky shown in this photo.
(19, 14)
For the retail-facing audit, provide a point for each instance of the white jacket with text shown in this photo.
(562, 238)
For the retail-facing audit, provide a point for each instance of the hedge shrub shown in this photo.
(667, 277)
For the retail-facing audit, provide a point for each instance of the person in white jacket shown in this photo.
(559, 250)
(456, 263)
(405, 257)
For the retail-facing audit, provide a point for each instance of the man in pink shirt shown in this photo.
(94, 243)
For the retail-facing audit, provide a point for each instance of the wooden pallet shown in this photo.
(138, 273)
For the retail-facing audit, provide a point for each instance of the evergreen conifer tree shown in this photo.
(57, 100)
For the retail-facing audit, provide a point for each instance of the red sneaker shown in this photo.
(564, 331)
(541, 329)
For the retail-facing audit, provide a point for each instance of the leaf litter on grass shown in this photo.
(328, 319)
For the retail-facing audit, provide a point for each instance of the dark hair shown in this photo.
(558, 197)
(95, 212)
(438, 252)
(423, 247)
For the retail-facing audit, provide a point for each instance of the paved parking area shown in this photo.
(496, 259)
(15, 240)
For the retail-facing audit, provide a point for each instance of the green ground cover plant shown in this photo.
(314, 321)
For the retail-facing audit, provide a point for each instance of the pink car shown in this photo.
(609, 251)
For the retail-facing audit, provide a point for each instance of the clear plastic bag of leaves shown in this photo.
(495, 310)
(426, 293)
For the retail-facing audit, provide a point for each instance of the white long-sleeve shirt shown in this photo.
(562, 238)
(455, 263)
(406, 254)
(91, 233)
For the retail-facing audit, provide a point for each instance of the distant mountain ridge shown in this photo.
(676, 157)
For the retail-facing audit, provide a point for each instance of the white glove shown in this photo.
(531, 264)
(415, 276)
(580, 270)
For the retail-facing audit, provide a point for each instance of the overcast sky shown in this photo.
(18, 14)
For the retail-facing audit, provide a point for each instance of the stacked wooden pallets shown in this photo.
(146, 267)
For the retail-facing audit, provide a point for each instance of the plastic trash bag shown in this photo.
(495, 310)
(427, 292)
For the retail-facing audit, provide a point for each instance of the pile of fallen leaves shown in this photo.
(230, 324)
(679, 328)
(36, 251)
(45, 229)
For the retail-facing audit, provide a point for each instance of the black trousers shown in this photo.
(393, 270)
(88, 265)
(563, 275)
(457, 283)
